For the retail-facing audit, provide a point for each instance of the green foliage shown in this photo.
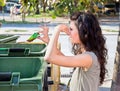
(52, 14)
(30, 6)
(2, 3)
(61, 7)
(70, 6)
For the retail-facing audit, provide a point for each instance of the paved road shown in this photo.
(106, 23)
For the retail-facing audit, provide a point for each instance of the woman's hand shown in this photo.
(45, 37)
(63, 28)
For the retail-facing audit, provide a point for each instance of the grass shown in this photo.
(40, 15)
(29, 16)
(19, 22)
(15, 30)
(112, 30)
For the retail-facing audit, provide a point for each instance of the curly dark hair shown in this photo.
(92, 38)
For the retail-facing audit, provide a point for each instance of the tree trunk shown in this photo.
(116, 74)
(44, 8)
(44, 5)
(37, 7)
(23, 17)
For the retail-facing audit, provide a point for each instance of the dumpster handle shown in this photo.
(15, 78)
(41, 52)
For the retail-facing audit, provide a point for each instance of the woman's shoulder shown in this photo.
(95, 63)
(93, 56)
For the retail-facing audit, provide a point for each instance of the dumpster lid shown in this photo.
(14, 51)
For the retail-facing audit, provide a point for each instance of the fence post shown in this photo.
(116, 73)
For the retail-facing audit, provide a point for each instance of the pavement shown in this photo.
(109, 24)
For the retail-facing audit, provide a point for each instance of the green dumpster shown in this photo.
(8, 38)
(22, 67)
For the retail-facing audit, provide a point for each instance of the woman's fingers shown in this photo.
(44, 30)
(44, 39)
(44, 34)
(64, 28)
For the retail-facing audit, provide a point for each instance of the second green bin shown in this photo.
(20, 71)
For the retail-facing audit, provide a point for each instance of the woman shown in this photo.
(89, 49)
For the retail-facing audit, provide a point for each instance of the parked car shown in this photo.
(16, 9)
(8, 5)
(98, 7)
(109, 8)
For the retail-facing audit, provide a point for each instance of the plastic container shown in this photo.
(22, 66)
(8, 38)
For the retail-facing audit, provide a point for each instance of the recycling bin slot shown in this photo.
(18, 51)
(5, 76)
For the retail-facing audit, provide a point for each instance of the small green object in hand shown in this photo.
(33, 36)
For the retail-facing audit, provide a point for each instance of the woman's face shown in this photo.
(74, 36)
